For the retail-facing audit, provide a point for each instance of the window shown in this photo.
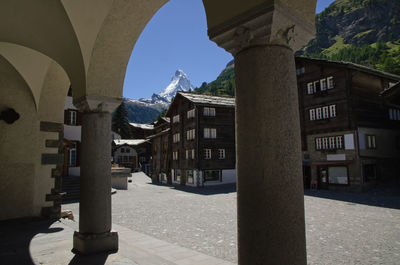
(209, 111)
(318, 143)
(319, 113)
(130, 159)
(212, 175)
(207, 153)
(175, 155)
(369, 172)
(338, 175)
(316, 86)
(177, 175)
(339, 142)
(193, 157)
(187, 154)
(325, 112)
(325, 143)
(190, 134)
(310, 88)
(312, 114)
(72, 117)
(332, 111)
(72, 156)
(210, 133)
(128, 150)
(394, 114)
(189, 176)
(191, 113)
(122, 150)
(176, 137)
(300, 71)
(323, 84)
(331, 142)
(330, 82)
(175, 119)
(221, 153)
(371, 141)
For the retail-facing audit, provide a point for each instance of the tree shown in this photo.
(120, 123)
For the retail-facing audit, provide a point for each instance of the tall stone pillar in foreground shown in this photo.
(95, 233)
(271, 226)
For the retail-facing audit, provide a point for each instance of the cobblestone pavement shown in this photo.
(341, 228)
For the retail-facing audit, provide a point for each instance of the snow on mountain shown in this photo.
(145, 110)
(180, 82)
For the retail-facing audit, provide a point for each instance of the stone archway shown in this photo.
(92, 41)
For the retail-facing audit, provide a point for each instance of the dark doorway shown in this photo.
(307, 177)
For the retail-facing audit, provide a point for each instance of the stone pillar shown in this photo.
(95, 233)
(270, 202)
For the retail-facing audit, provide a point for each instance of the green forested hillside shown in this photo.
(365, 32)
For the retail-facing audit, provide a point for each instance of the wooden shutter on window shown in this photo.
(79, 118)
(66, 116)
(78, 154)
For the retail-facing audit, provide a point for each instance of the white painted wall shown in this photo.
(72, 133)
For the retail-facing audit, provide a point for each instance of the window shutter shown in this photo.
(79, 118)
(78, 154)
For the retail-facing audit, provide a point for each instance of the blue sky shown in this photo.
(176, 38)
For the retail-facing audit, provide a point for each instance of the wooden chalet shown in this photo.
(349, 133)
(203, 139)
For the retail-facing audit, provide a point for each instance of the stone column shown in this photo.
(95, 233)
(270, 204)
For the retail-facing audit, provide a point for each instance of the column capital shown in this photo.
(265, 25)
(97, 103)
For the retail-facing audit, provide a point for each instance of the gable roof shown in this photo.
(352, 66)
(142, 126)
(204, 100)
(133, 142)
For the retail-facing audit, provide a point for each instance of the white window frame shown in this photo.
(312, 114)
(187, 154)
(213, 133)
(72, 156)
(318, 143)
(339, 142)
(193, 155)
(310, 88)
(332, 111)
(330, 83)
(72, 117)
(325, 112)
(207, 111)
(332, 142)
(176, 137)
(175, 155)
(175, 119)
(190, 134)
(221, 153)
(323, 84)
(318, 113)
(325, 143)
(371, 141)
(206, 133)
(207, 153)
(191, 113)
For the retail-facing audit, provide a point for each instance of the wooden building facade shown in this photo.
(349, 134)
(203, 139)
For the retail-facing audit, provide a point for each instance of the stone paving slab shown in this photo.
(134, 249)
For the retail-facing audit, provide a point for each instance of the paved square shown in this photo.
(341, 228)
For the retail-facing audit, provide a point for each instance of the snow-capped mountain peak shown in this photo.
(180, 82)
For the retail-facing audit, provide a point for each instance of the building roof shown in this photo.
(142, 126)
(119, 142)
(209, 100)
(353, 66)
(159, 134)
(392, 90)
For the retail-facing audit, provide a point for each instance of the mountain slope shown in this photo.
(366, 32)
(146, 110)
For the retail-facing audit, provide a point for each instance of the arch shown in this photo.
(44, 26)
(114, 44)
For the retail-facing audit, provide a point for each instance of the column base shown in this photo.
(95, 243)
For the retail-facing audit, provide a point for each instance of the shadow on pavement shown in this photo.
(96, 259)
(15, 238)
(387, 196)
(206, 190)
